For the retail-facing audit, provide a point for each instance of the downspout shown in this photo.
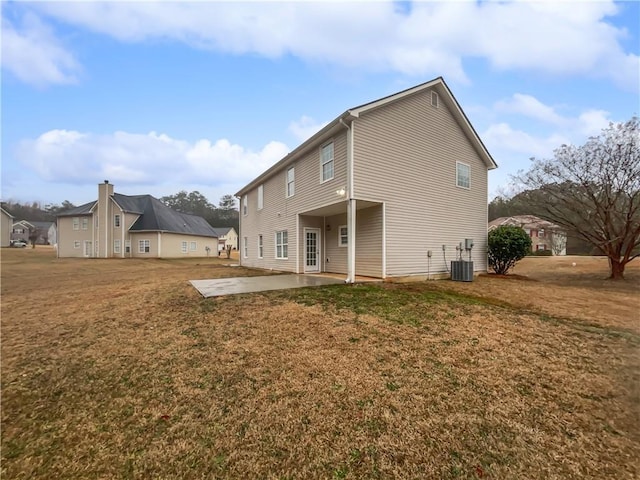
(351, 208)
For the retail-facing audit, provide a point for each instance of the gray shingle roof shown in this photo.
(81, 210)
(220, 231)
(154, 216)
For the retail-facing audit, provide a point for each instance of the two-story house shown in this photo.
(126, 226)
(544, 234)
(387, 189)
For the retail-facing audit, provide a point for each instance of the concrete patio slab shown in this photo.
(236, 285)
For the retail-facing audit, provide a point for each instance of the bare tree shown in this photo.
(558, 242)
(593, 190)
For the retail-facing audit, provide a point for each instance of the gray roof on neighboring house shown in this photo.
(154, 216)
(42, 225)
(524, 221)
(81, 210)
(220, 231)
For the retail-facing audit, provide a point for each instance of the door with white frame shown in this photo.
(311, 250)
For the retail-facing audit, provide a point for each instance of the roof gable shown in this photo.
(337, 124)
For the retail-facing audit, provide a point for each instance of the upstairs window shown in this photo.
(260, 197)
(326, 161)
(116, 221)
(245, 205)
(291, 183)
(434, 99)
(76, 223)
(463, 175)
(85, 223)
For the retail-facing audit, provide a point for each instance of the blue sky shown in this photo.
(160, 97)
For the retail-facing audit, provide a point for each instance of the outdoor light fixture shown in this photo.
(342, 192)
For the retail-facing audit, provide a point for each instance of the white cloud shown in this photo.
(502, 136)
(555, 38)
(592, 122)
(587, 123)
(530, 106)
(35, 56)
(72, 157)
(305, 127)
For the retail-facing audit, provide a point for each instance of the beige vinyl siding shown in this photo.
(405, 154)
(67, 236)
(280, 213)
(5, 229)
(172, 245)
(368, 243)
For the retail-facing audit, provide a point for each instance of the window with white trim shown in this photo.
(127, 246)
(184, 247)
(260, 247)
(326, 162)
(21, 230)
(291, 182)
(116, 246)
(245, 205)
(260, 197)
(282, 245)
(193, 246)
(463, 175)
(144, 246)
(76, 244)
(434, 99)
(541, 233)
(245, 247)
(343, 236)
(85, 223)
(76, 223)
(116, 220)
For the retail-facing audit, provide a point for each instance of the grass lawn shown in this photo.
(119, 369)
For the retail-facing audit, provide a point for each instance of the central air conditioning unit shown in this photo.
(462, 271)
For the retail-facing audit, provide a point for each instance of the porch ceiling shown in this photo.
(338, 208)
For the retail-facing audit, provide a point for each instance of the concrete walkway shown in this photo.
(233, 286)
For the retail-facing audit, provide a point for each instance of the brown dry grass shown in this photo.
(118, 369)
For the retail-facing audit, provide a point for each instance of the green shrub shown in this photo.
(507, 245)
(542, 253)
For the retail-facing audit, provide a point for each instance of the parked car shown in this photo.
(18, 244)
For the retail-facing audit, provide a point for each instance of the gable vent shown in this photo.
(434, 99)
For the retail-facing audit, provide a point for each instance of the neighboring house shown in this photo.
(544, 235)
(6, 226)
(122, 226)
(22, 231)
(387, 189)
(227, 236)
